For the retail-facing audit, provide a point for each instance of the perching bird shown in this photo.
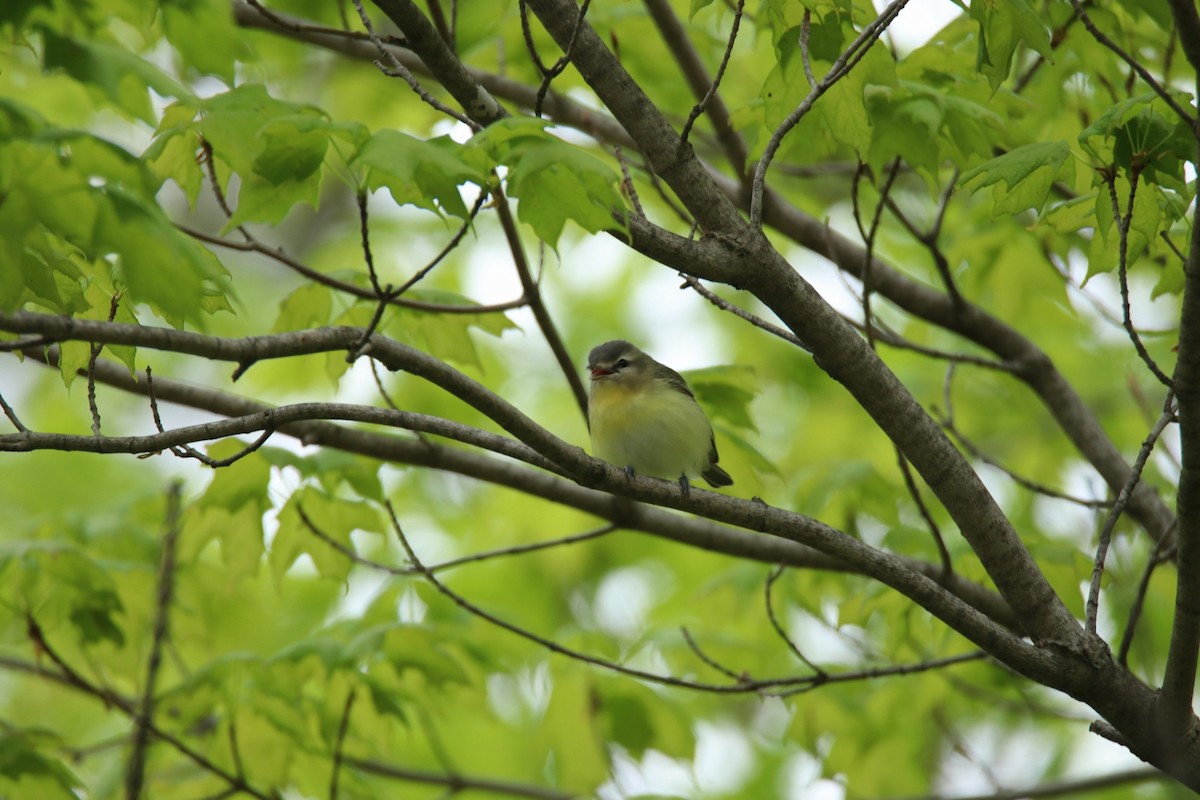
(643, 417)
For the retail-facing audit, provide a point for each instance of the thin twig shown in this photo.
(364, 231)
(276, 254)
(868, 236)
(1123, 222)
(93, 354)
(12, 416)
(558, 66)
(771, 578)
(1135, 474)
(339, 744)
(911, 483)
(699, 108)
(474, 558)
(1133, 63)
(947, 423)
(930, 238)
(1164, 551)
(389, 65)
(700, 654)
(136, 771)
(68, 676)
(533, 296)
(692, 282)
(790, 685)
(840, 68)
(184, 449)
(627, 183)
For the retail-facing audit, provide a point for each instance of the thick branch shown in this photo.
(1035, 368)
(847, 554)
(1179, 679)
(475, 101)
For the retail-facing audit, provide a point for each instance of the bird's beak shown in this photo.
(599, 372)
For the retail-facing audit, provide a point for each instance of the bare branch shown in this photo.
(771, 578)
(556, 69)
(934, 530)
(1093, 601)
(68, 676)
(487, 555)
(1133, 63)
(1123, 222)
(1187, 23)
(756, 321)
(136, 771)
(703, 86)
(700, 654)
(340, 741)
(454, 783)
(978, 454)
(481, 108)
(1164, 551)
(1063, 788)
(534, 297)
(389, 65)
(838, 70)
(790, 685)
(12, 416)
(254, 246)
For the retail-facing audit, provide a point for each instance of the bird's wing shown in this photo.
(673, 379)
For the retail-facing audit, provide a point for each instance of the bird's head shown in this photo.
(620, 362)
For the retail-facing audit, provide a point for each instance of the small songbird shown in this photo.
(643, 417)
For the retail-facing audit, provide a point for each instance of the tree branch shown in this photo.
(136, 771)
(1030, 363)
(1179, 679)
(703, 86)
(631, 515)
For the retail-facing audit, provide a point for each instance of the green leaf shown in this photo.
(1002, 27)
(553, 180)
(334, 518)
(1104, 254)
(1142, 133)
(570, 727)
(293, 149)
(92, 615)
(1023, 177)
(726, 392)
(309, 306)
(845, 114)
(115, 71)
(426, 174)
(408, 647)
(205, 36)
(21, 759)
(158, 263)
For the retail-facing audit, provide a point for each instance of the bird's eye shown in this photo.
(622, 363)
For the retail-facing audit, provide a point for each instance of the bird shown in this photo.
(643, 417)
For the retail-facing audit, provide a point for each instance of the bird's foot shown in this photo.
(684, 485)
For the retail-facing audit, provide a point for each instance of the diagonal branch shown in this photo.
(694, 532)
(422, 36)
(841, 67)
(703, 86)
(1179, 679)
(1093, 600)
(144, 716)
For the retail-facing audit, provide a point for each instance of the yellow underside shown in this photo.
(656, 430)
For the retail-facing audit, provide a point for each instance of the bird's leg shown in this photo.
(684, 485)
(629, 471)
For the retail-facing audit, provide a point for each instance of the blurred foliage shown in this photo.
(116, 116)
